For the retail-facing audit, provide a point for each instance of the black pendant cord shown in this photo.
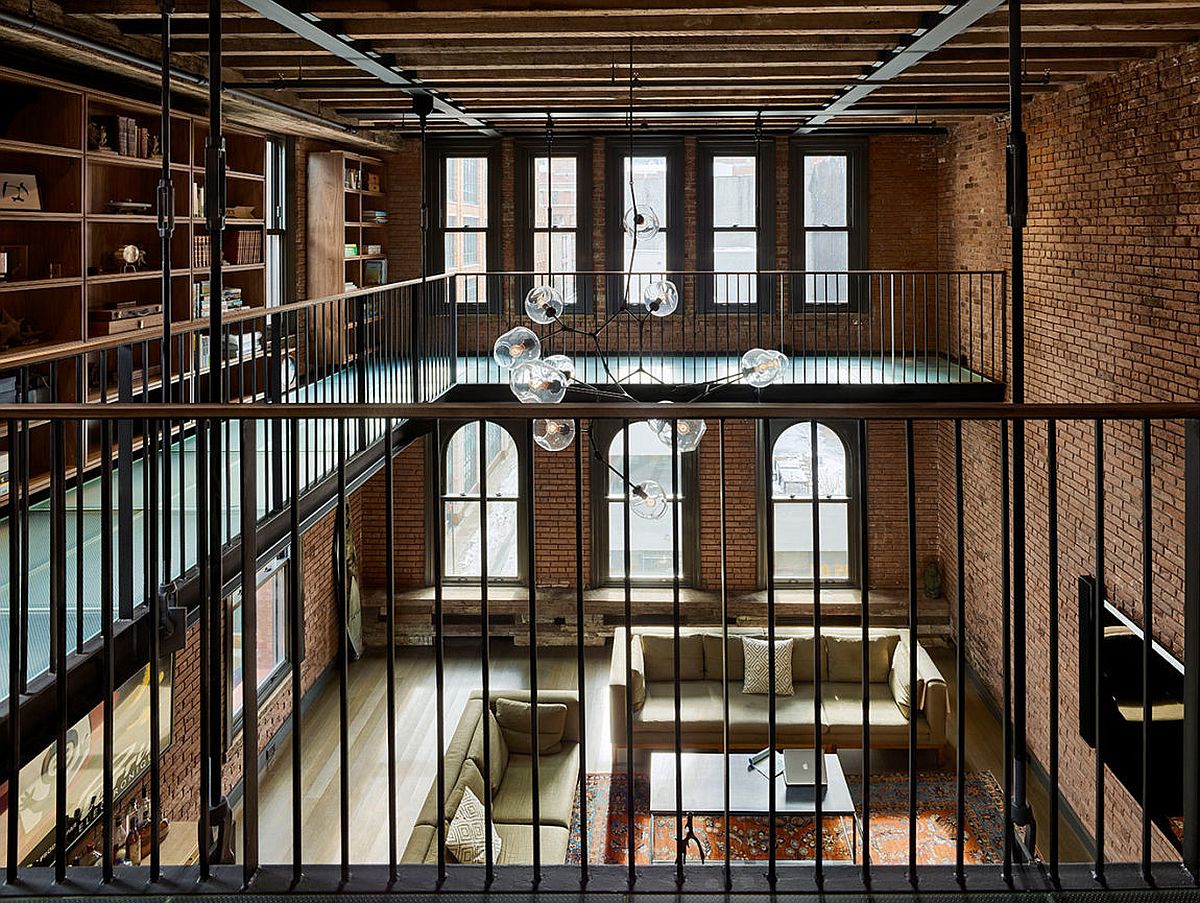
(550, 201)
(758, 133)
(422, 106)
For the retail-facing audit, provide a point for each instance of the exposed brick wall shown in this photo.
(1110, 316)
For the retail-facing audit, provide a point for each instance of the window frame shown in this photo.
(440, 152)
(280, 184)
(435, 503)
(617, 150)
(265, 571)
(602, 434)
(857, 212)
(765, 214)
(527, 152)
(847, 431)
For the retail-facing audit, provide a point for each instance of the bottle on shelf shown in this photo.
(144, 828)
(133, 843)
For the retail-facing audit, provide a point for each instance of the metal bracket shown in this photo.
(214, 167)
(172, 621)
(166, 208)
(1017, 179)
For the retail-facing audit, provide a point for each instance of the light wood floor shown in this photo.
(416, 753)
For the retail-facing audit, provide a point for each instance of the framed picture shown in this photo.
(19, 191)
(374, 272)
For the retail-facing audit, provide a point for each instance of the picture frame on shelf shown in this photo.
(19, 191)
(14, 263)
(374, 272)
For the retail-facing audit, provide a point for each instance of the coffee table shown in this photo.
(704, 791)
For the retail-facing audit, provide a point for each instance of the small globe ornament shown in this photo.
(544, 304)
(553, 434)
(640, 222)
(688, 434)
(536, 382)
(517, 346)
(564, 365)
(648, 500)
(762, 367)
(661, 298)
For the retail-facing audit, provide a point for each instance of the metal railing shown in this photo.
(870, 327)
(1170, 436)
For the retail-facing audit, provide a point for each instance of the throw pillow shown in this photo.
(466, 838)
(514, 718)
(845, 657)
(498, 749)
(658, 652)
(757, 655)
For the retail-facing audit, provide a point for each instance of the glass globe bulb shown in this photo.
(536, 382)
(763, 366)
(563, 365)
(648, 500)
(516, 346)
(553, 435)
(544, 304)
(640, 221)
(661, 298)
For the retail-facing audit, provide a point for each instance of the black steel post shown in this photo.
(1191, 647)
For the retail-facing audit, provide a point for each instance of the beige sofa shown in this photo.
(512, 784)
(841, 704)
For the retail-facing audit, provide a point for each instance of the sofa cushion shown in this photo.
(841, 714)
(558, 782)
(518, 844)
(638, 660)
(802, 658)
(498, 751)
(795, 718)
(658, 653)
(466, 837)
(468, 776)
(904, 694)
(757, 679)
(737, 659)
(700, 703)
(515, 717)
(844, 657)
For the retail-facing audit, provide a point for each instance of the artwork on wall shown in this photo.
(85, 764)
(19, 191)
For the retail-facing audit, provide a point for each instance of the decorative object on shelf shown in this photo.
(242, 211)
(14, 263)
(351, 249)
(130, 257)
(15, 333)
(373, 250)
(374, 272)
(130, 207)
(123, 316)
(19, 191)
(374, 183)
(55, 270)
(353, 179)
(121, 135)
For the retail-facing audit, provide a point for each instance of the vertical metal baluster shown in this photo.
(1191, 644)
(630, 823)
(913, 646)
(389, 500)
(485, 632)
(960, 658)
(1097, 648)
(728, 865)
(1147, 635)
(531, 542)
(17, 539)
(439, 651)
(154, 600)
(106, 628)
(1052, 601)
(296, 652)
(248, 452)
(58, 637)
(772, 736)
(581, 665)
(80, 467)
(343, 584)
(1006, 646)
(676, 615)
(207, 673)
(818, 744)
(864, 570)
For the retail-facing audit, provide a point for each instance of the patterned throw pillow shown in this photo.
(466, 836)
(757, 653)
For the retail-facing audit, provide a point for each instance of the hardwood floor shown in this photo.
(416, 754)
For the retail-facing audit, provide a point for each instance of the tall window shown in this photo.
(656, 170)
(462, 504)
(278, 219)
(793, 470)
(271, 654)
(556, 221)
(651, 541)
(829, 234)
(735, 221)
(465, 221)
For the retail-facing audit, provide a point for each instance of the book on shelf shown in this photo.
(197, 200)
(231, 298)
(248, 246)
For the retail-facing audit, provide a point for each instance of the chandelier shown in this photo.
(535, 379)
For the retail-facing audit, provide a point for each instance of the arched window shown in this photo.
(462, 504)
(650, 543)
(793, 451)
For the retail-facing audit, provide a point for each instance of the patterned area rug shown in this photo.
(608, 838)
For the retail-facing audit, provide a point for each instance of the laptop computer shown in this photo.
(800, 768)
